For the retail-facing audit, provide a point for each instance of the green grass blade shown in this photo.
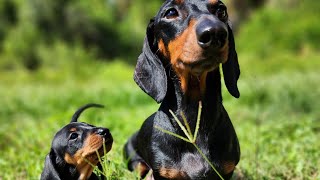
(173, 134)
(87, 161)
(101, 172)
(208, 161)
(104, 163)
(198, 122)
(181, 126)
(189, 134)
(186, 124)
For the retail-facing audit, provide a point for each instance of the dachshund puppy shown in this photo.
(185, 45)
(74, 148)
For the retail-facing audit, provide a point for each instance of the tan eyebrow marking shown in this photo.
(73, 129)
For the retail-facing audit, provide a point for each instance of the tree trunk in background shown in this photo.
(240, 10)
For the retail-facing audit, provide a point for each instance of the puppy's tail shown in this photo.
(81, 109)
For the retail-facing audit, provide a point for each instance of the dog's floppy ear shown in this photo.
(149, 73)
(231, 70)
(49, 170)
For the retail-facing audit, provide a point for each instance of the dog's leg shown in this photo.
(135, 162)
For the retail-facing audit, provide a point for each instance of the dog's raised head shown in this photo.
(193, 37)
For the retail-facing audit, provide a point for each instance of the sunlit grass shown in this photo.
(34, 110)
(276, 117)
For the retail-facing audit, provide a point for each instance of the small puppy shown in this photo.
(73, 150)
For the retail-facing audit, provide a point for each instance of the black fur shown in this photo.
(56, 167)
(169, 157)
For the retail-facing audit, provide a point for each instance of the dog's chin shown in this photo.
(198, 71)
(198, 67)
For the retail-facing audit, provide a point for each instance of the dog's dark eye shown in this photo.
(221, 13)
(73, 136)
(171, 13)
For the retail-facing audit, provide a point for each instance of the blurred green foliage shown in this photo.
(107, 29)
(103, 28)
(282, 26)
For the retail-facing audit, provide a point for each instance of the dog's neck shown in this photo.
(67, 171)
(64, 170)
(179, 101)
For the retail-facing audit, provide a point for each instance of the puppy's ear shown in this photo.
(49, 170)
(149, 73)
(231, 70)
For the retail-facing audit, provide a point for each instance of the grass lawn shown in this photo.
(277, 117)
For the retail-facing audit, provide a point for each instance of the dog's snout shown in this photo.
(211, 34)
(103, 132)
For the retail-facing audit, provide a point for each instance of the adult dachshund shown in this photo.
(74, 148)
(179, 66)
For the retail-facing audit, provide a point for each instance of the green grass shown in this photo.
(35, 106)
(276, 118)
(278, 126)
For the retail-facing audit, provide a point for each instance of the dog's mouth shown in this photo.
(101, 150)
(198, 67)
(192, 74)
(106, 146)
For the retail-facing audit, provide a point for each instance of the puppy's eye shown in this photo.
(221, 13)
(73, 136)
(171, 13)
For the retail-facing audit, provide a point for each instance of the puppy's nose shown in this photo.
(103, 132)
(211, 33)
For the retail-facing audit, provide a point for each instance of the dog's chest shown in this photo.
(187, 166)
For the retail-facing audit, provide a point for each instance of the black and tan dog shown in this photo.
(73, 147)
(179, 66)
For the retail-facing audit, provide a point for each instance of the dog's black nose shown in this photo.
(103, 132)
(211, 33)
